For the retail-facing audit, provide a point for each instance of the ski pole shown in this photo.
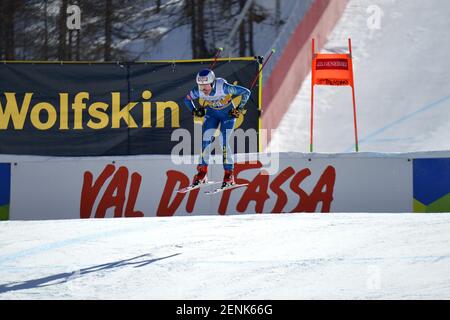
(219, 50)
(260, 70)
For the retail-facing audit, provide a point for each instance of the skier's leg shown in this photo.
(208, 129)
(227, 128)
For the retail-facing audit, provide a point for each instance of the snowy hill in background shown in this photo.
(402, 84)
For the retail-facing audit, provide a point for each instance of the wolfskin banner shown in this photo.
(97, 109)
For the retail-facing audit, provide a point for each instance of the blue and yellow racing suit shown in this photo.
(218, 103)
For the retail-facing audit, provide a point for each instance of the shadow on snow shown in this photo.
(66, 277)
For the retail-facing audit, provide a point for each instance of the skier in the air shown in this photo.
(218, 109)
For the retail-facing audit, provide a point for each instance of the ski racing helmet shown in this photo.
(206, 76)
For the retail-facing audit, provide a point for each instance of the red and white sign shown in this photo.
(59, 189)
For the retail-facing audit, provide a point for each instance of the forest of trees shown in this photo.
(37, 29)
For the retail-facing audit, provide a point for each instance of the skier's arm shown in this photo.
(238, 91)
(189, 99)
(189, 102)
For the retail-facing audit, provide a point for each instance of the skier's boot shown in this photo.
(200, 177)
(228, 178)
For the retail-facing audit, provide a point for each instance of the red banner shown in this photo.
(332, 70)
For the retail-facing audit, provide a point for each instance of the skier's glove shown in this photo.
(235, 112)
(199, 112)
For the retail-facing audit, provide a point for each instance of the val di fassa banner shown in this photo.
(99, 109)
(63, 189)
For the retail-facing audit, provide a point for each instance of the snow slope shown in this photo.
(402, 84)
(293, 256)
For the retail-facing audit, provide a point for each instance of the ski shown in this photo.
(229, 187)
(193, 187)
